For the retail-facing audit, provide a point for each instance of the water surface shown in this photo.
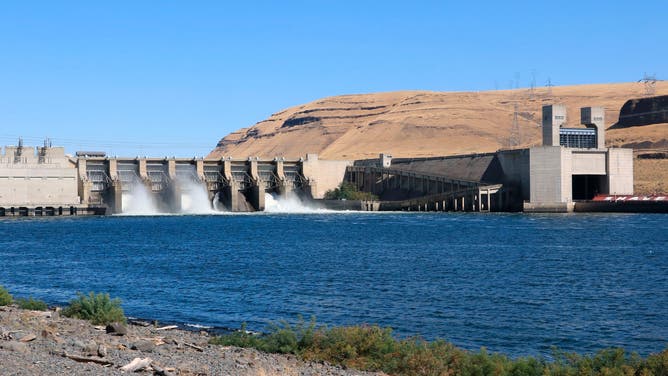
(514, 283)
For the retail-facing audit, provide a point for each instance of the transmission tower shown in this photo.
(549, 86)
(533, 84)
(515, 130)
(649, 81)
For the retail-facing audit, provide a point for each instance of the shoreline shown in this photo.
(46, 343)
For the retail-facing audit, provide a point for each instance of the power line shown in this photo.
(649, 81)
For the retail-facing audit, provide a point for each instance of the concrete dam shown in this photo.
(572, 165)
(44, 181)
(177, 185)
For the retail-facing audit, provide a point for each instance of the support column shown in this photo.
(257, 197)
(114, 197)
(479, 198)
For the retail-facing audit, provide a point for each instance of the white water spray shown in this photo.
(195, 198)
(291, 204)
(139, 201)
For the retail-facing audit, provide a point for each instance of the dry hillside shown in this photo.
(420, 123)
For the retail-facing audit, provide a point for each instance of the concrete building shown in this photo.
(37, 176)
(571, 165)
(40, 180)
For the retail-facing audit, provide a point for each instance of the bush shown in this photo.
(373, 348)
(31, 304)
(282, 338)
(347, 191)
(5, 297)
(98, 309)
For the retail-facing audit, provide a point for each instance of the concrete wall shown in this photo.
(516, 168)
(594, 117)
(39, 177)
(546, 176)
(323, 175)
(566, 175)
(589, 163)
(554, 116)
(620, 171)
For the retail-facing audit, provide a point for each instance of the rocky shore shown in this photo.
(46, 343)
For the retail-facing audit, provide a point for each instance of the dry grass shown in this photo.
(651, 176)
(421, 123)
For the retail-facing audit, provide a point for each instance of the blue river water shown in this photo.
(513, 283)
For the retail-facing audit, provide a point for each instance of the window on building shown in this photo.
(583, 138)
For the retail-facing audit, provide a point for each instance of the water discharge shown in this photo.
(290, 204)
(195, 198)
(139, 201)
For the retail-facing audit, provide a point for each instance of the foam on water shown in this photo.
(291, 204)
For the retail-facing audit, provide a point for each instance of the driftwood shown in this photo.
(28, 337)
(137, 364)
(168, 327)
(194, 347)
(161, 371)
(85, 359)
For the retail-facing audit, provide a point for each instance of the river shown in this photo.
(514, 283)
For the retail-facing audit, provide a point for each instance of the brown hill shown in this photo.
(421, 123)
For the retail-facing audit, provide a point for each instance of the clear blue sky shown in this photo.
(172, 77)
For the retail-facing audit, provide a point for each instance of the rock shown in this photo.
(143, 345)
(137, 364)
(49, 334)
(90, 348)
(28, 337)
(117, 329)
(78, 344)
(102, 351)
(14, 346)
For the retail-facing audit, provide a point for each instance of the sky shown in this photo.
(171, 78)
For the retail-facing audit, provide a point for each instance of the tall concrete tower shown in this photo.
(594, 117)
(554, 116)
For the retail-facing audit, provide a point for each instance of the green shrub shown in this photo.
(31, 304)
(373, 348)
(282, 338)
(99, 309)
(5, 297)
(347, 191)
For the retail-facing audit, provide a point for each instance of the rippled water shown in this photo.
(513, 283)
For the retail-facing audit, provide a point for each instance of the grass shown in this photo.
(5, 297)
(99, 309)
(372, 348)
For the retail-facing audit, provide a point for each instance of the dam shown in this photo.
(173, 184)
(44, 181)
(572, 165)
